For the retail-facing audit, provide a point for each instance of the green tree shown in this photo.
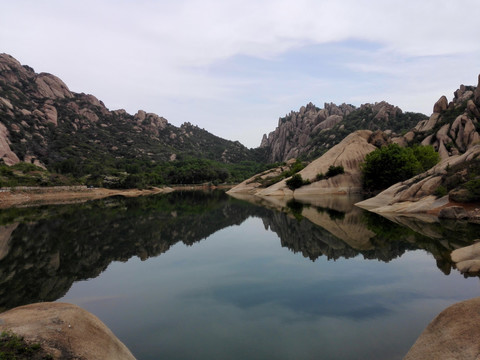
(389, 165)
(426, 156)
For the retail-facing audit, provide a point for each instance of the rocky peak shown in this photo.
(453, 128)
(313, 131)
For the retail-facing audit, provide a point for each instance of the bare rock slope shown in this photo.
(349, 153)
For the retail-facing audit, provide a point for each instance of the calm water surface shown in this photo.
(205, 276)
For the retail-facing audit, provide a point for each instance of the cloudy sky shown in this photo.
(234, 67)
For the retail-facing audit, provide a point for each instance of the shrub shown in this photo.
(334, 170)
(440, 191)
(473, 187)
(296, 181)
(392, 163)
(320, 176)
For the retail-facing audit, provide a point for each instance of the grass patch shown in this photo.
(14, 347)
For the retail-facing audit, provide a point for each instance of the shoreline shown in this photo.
(25, 196)
(34, 196)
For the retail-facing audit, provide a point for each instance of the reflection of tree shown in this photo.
(44, 250)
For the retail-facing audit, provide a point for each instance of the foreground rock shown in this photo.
(452, 335)
(65, 331)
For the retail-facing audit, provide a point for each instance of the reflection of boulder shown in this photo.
(349, 229)
(467, 259)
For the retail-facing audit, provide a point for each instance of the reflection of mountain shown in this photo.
(42, 257)
(333, 227)
(44, 250)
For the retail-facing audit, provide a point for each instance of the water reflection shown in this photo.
(44, 250)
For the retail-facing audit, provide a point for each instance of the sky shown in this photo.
(234, 67)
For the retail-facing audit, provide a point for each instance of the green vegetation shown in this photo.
(14, 347)
(462, 181)
(134, 174)
(293, 169)
(392, 163)
(296, 181)
(331, 172)
(26, 174)
(440, 191)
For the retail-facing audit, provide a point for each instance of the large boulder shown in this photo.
(452, 335)
(477, 93)
(441, 105)
(65, 331)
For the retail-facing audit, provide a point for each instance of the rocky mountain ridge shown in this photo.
(43, 122)
(311, 131)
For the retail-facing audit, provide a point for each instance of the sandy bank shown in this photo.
(32, 196)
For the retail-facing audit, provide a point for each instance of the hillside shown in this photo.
(44, 123)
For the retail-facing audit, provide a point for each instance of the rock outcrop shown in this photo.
(349, 154)
(65, 331)
(452, 335)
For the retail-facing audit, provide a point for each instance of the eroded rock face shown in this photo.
(8, 156)
(452, 335)
(65, 331)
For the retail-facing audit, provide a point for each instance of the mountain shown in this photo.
(44, 123)
(311, 131)
(453, 130)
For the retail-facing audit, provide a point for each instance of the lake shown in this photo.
(201, 275)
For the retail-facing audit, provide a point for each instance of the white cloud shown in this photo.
(190, 58)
